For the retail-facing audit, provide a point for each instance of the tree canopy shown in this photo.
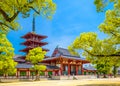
(7, 64)
(35, 56)
(10, 9)
(102, 4)
(104, 54)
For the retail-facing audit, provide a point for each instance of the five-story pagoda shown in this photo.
(33, 40)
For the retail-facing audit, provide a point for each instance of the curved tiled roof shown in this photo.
(89, 67)
(25, 65)
(52, 67)
(64, 52)
(18, 58)
(61, 52)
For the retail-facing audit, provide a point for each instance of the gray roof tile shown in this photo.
(18, 58)
(64, 52)
(25, 65)
(89, 67)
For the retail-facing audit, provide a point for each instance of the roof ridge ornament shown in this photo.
(57, 46)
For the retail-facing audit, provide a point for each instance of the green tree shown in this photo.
(93, 49)
(7, 64)
(35, 56)
(102, 4)
(10, 9)
(105, 54)
(111, 26)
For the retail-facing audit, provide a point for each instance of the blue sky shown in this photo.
(71, 18)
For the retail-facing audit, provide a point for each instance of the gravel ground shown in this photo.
(85, 82)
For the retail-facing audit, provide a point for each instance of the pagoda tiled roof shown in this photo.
(29, 48)
(34, 41)
(33, 34)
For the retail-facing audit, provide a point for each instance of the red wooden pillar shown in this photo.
(82, 70)
(18, 73)
(57, 72)
(68, 68)
(28, 73)
(61, 68)
(46, 73)
(53, 73)
(94, 72)
(76, 69)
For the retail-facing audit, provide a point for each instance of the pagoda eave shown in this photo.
(28, 35)
(36, 42)
(27, 50)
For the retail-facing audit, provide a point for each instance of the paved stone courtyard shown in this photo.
(85, 82)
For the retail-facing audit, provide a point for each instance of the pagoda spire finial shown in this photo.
(57, 46)
(33, 28)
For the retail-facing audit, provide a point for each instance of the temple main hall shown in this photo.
(61, 62)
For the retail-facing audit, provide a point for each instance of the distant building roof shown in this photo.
(118, 68)
(90, 67)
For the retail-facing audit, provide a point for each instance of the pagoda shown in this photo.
(33, 40)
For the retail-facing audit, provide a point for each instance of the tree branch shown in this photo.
(6, 25)
(13, 17)
(6, 17)
(34, 9)
(103, 55)
(113, 33)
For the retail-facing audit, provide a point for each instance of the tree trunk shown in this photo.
(5, 75)
(98, 76)
(115, 71)
(104, 76)
(37, 76)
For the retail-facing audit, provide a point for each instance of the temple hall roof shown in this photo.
(18, 58)
(63, 52)
(25, 65)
